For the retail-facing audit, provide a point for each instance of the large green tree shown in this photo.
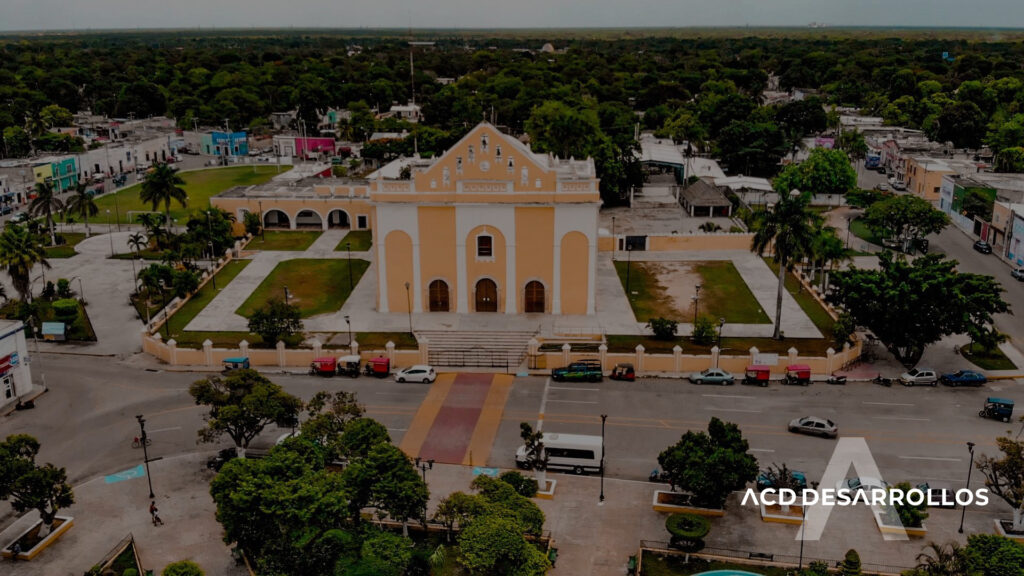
(823, 172)
(710, 465)
(904, 218)
(31, 486)
(241, 405)
(911, 305)
(1004, 476)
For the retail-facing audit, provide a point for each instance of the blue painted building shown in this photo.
(224, 144)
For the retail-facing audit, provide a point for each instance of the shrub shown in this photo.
(275, 320)
(709, 227)
(688, 531)
(130, 572)
(66, 310)
(63, 288)
(524, 486)
(182, 568)
(663, 328)
(703, 331)
(49, 291)
(850, 566)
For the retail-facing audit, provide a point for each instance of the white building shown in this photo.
(15, 377)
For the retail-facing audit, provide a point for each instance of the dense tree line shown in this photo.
(704, 90)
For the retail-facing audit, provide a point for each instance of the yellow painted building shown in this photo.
(924, 174)
(489, 226)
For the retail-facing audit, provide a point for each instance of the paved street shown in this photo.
(86, 423)
(957, 245)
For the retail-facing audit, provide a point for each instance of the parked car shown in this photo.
(900, 186)
(964, 378)
(983, 247)
(814, 426)
(1018, 273)
(19, 217)
(713, 376)
(418, 373)
(862, 483)
(6, 209)
(764, 482)
(882, 187)
(939, 492)
(581, 371)
(919, 377)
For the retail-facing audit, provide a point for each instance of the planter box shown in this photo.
(665, 501)
(1002, 531)
(547, 492)
(897, 529)
(64, 524)
(774, 513)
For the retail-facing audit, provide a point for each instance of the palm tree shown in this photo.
(942, 560)
(161, 186)
(828, 251)
(788, 230)
(46, 204)
(81, 203)
(152, 222)
(137, 241)
(20, 251)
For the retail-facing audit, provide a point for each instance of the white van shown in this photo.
(575, 452)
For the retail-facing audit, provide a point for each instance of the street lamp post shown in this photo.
(348, 248)
(167, 317)
(287, 295)
(963, 509)
(615, 241)
(263, 235)
(629, 252)
(721, 324)
(145, 451)
(408, 303)
(213, 276)
(803, 525)
(604, 417)
(424, 466)
(696, 302)
(110, 233)
(349, 322)
(849, 224)
(81, 290)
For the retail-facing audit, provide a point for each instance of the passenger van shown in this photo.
(575, 452)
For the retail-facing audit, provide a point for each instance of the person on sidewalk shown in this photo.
(154, 513)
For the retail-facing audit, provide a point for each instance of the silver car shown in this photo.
(919, 377)
(814, 426)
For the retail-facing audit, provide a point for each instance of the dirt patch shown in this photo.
(679, 281)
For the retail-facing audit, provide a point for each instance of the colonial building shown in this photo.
(490, 226)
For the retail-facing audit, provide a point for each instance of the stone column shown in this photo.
(208, 352)
(603, 350)
(172, 352)
(677, 356)
(281, 357)
(639, 358)
(714, 356)
(389, 350)
(243, 348)
(792, 355)
(830, 357)
(565, 353)
(318, 348)
(353, 347)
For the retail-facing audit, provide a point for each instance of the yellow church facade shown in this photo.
(488, 227)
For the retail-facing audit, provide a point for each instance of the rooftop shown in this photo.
(703, 193)
(745, 183)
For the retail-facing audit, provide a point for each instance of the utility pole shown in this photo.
(145, 451)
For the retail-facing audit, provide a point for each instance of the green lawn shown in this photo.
(147, 254)
(200, 299)
(316, 286)
(649, 300)
(808, 304)
(288, 240)
(861, 230)
(66, 250)
(361, 241)
(377, 340)
(988, 359)
(726, 295)
(200, 185)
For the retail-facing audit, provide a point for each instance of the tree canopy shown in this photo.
(241, 405)
(710, 465)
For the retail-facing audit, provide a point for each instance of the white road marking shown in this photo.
(760, 450)
(543, 404)
(935, 458)
(887, 404)
(399, 429)
(574, 401)
(163, 429)
(901, 418)
(573, 388)
(732, 410)
(727, 396)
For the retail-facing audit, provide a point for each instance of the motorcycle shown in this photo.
(887, 382)
(26, 405)
(837, 380)
(658, 476)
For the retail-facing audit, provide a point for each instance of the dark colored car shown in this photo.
(582, 371)
(217, 462)
(983, 247)
(941, 494)
(964, 378)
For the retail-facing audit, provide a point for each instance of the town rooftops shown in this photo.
(702, 193)
(737, 183)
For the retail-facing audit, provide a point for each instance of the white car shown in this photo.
(862, 483)
(418, 373)
(919, 377)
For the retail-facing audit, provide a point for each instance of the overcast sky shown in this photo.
(92, 14)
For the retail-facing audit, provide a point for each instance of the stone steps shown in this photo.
(476, 348)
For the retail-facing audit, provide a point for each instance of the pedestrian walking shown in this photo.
(154, 513)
